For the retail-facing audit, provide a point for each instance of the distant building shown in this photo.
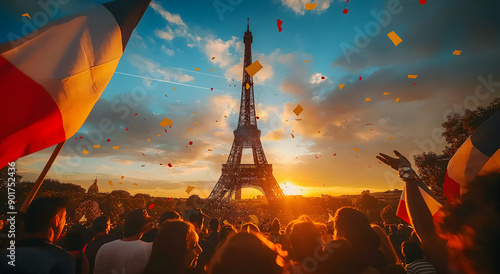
(93, 189)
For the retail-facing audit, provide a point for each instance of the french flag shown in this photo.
(51, 79)
(478, 155)
(431, 202)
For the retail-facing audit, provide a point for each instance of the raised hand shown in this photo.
(395, 163)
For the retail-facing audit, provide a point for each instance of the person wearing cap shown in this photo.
(196, 217)
(128, 255)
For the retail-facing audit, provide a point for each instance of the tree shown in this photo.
(457, 128)
(89, 209)
(388, 215)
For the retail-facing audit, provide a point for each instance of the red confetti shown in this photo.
(166, 131)
(142, 165)
(151, 206)
(191, 143)
(109, 140)
(169, 165)
(135, 114)
(359, 78)
(322, 77)
(413, 83)
(257, 117)
(143, 154)
(81, 137)
(422, 2)
(126, 129)
(334, 154)
(279, 25)
(345, 11)
(211, 88)
(76, 138)
(169, 199)
(161, 164)
(347, 1)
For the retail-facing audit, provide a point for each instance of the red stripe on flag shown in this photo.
(31, 120)
(401, 212)
(451, 189)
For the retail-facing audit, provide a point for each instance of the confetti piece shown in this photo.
(174, 88)
(159, 135)
(123, 177)
(120, 183)
(188, 129)
(257, 117)
(189, 189)
(422, 2)
(292, 135)
(279, 25)
(116, 147)
(209, 150)
(317, 156)
(225, 116)
(195, 123)
(110, 183)
(341, 86)
(27, 15)
(371, 129)
(310, 6)
(191, 143)
(359, 78)
(322, 77)
(355, 149)
(254, 218)
(161, 164)
(412, 76)
(126, 129)
(397, 99)
(212, 69)
(368, 99)
(197, 69)
(298, 119)
(386, 93)
(85, 151)
(81, 137)
(169, 199)
(305, 61)
(213, 58)
(297, 110)
(169, 165)
(135, 114)
(142, 165)
(97, 146)
(109, 140)
(319, 131)
(135, 184)
(394, 38)
(151, 206)
(390, 138)
(247, 86)
(334, 154)
(345, 11)
(457, 52)
(264, 178)
(253, 68)
(142, 155)
(165, 130)
(148, 139)
(166, 122)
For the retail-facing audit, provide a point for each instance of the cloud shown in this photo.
(275, 135)
(168, 51)
(171, 18)
(216, 47)
(167, 35)
(317, 78)
(299, 8)
(146, 65)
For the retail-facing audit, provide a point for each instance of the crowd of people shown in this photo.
(464, 240)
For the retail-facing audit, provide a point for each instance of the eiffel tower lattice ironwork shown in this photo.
(235, 175)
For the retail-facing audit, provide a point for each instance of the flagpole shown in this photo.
(40, 179)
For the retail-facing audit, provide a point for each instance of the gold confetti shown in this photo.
(254, 218)
(197, 69)
(253, 68)
(189, 189)
(174, 88)
(355, 149)
(110, 183)
(123, 177)
(166, 122)
(298, 119)
(225, 116)
(148, 139)
(116, 147)
(371, 129)
(27, 15)
(97, 146)
(310, 6)
(135, 184)
(195, 123)
(120, 183)
(212, 69)
(397, 99)
(194, 113)
(195, 81)
(209, 150)
(85, 151)
(247, 86)
(292, 135)
(368, 99)
(386, 93)
(341, 86)
(456, 52)
(159, 134)
(297, 110)
(394, 38)
(188, 129)
(264, 178)
(390, 138)
(305, 61)
(412, 76)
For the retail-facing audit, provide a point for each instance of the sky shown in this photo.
(184, 62)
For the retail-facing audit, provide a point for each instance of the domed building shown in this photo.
(93, 189)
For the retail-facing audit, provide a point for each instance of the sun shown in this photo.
(291, 189)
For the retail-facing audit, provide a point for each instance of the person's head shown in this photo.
(46, 217)
(101, 225)
(76, 238)
(224, 232)
(169, 215)
(411, 251)
(247, 253)
(214, 225)
(175, 248)
(386, 246)
(196, 217)
(353, 225)
(275, 226)
(136, 223)
(304, 239)
(250, 227)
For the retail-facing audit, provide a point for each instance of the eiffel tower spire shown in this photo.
(235, 175)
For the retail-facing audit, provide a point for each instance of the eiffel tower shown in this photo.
(235, 175)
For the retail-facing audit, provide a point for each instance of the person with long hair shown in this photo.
(175, 248)
(386, 246)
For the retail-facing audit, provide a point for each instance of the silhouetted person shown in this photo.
(175, 249)
(128, 255)
(101, 227)
(149, 236)
(43, 223)
(213, 237)
(414, 258)
(224, 232)
(396, 239)
(196, 216)
(74, 241)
